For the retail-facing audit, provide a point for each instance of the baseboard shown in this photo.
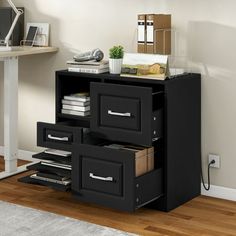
(220, 192)
(23, 155)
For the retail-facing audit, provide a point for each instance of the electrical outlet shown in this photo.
(216, 158)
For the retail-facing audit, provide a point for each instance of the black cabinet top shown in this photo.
(108, 76)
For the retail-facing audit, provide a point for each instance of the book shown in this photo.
(52, 176)
(88, 70)
(57, 152)
(80, 97)
(75, 103)
(88, 63)
(76, 113)
(55, 164)
(76, 108)
(147, 66)
(89, 67)
(86, 66)
(66, 182)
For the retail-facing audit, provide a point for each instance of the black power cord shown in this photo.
(208, 175)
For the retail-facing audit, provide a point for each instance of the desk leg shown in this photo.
(11, 118)
(11, 114)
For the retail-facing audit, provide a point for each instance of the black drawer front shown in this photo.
(115, 115)
(102, 176)
(127, 192)
(122, 112)
(58, 136)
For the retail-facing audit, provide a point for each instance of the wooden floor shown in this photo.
(201, 216)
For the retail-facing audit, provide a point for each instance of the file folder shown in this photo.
(142, 33)
(158, 34)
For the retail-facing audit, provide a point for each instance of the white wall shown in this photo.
(206, 35)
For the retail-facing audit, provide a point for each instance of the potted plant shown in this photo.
(116, 54)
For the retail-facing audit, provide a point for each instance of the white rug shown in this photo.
(17, 220)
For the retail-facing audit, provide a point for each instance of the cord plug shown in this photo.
(212, 162)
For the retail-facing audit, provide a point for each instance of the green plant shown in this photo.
(116, 52)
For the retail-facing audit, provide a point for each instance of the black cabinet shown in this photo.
(162, 116)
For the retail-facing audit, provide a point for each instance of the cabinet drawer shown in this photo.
(125, 113)
(101, 176)
(107, 176)
(58, 136)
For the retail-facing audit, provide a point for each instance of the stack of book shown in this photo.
(144, 157)
(55, 175)
(76, 104)
(94, 67)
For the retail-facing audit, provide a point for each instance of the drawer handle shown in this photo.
(58, 138)
(109, 179)
(126, 114)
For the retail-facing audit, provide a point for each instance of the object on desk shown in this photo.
(100, 64)
(18, 13)
(116, 54)
(142, 33)
(31, 35)
(92, 66)
(88, 64)
(158, 28)
(7, 15)
(88, 70)
(154, 34)
(95, 54)
(147, 66)
(42, 36)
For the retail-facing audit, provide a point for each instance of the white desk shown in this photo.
(10, 60)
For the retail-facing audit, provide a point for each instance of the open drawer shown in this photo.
(126, 113)
(107, 176)
(62, 135)
(58, 136)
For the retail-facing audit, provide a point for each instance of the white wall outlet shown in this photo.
(216, 158)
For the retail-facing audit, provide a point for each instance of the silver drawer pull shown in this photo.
(58, 138)
(127, 114)
(109, 179)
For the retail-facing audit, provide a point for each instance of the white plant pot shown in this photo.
(115, 65)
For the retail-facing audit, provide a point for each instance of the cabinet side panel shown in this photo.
(182, 134)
